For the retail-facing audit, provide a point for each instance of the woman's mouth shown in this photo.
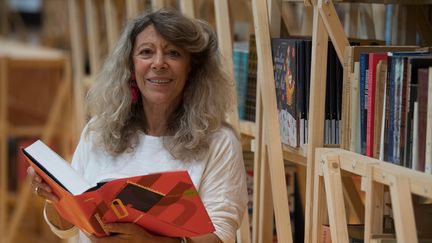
(159, 81)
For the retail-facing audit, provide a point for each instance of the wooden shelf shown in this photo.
(247, 128)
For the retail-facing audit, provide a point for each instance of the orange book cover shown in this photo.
(165, 203)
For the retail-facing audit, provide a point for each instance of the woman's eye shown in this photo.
(145, 52)
(173, 53)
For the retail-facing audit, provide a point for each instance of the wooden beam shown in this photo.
(316, 113)
(403, 211)
(3, 145)
(187, 7)
(93, 37)
(420, 183)
(274, 14)
(132, 9)
(352, 198)
(266, 201)
(225, 43)
(77, 63)
(54, 116)
(319, 210)
(335, 202)
(157, 4)
(334, 28)
(374, 206)
(258, 159)
(267, 87)
(111, 23)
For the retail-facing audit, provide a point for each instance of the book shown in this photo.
(428, 157)
(285, 56)
(165, 203)
(422, 99)
(374, 58)
(381, 75)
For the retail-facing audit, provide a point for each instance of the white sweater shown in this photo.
(220, 178)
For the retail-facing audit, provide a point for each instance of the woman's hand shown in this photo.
(39, 187)
(128, 232)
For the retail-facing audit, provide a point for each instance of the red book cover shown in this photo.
(374, 58)
(165, 203)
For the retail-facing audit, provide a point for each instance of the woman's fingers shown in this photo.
(39, 187)
(32, 174)
(46, 194)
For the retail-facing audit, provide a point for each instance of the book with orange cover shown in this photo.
(165, 203)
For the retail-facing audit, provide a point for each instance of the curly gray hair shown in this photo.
(207, 96)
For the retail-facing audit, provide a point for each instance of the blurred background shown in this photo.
(51, 50)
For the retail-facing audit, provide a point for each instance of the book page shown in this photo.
(59, 169)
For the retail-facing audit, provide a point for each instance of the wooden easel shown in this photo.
(402, 182)
(268, 162)
(27, 58)
(327, 24)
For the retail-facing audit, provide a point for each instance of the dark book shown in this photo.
(251, 89)
(423, 85)
(364, 62)
(414, 63)
(285, 56)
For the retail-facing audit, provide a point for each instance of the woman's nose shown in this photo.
(159, 62)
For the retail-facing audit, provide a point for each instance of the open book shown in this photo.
(165, 203)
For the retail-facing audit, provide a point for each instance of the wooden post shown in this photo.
(316, 113)
(111, 23)
(77, 63)
(225, 43)
(374, 205)
(187, 7)
(49, 130)
(319, 210)
(258, 160)
(277, 170)
(266, 201)
(132, 9)
(403, 210)
(335, 202)
(3, 145)
(334, 28)
(157, 4)
(93, 37)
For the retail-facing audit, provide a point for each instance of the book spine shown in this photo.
(422, 115)
(363, 83)
(428, 155)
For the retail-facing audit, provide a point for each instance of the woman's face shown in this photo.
(161, 68)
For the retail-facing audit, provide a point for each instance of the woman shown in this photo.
(159, 104)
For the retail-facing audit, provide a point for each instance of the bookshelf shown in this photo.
(268, 149)
(26, 110)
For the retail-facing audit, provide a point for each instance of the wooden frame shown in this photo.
(268, 149)
(375, 174)
(27, 57)
(268, 143)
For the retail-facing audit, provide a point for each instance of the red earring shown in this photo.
(134, 88)
(134, 93)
